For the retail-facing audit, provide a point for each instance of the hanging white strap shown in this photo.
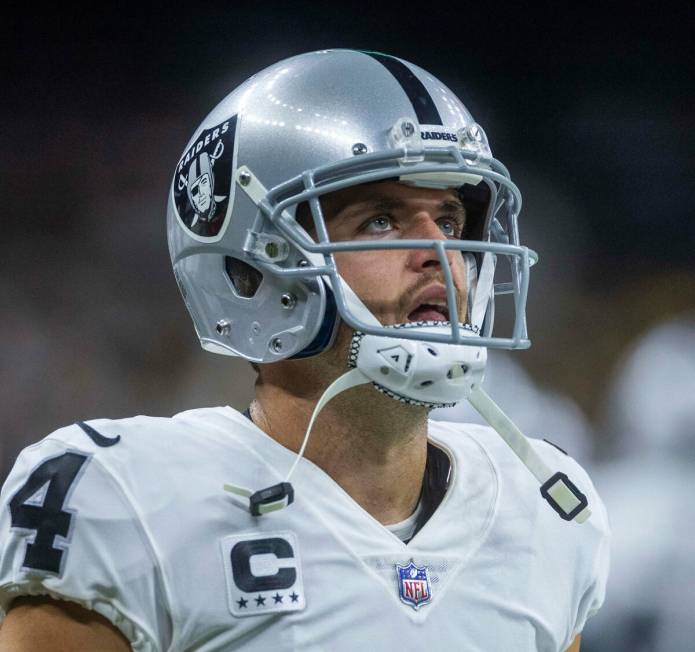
(558, 491)
(349, 379)
(346, 381)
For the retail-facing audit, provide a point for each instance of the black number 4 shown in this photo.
(48, 519)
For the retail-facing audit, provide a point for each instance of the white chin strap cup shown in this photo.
(431, 374)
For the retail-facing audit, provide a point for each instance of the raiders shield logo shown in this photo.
(202, 183)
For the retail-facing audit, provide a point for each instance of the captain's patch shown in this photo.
(263, 573)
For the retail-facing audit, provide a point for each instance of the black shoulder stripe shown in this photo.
(98, 438)
(425, 108)
(556, 446)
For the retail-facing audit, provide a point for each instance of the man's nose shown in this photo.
(426, 228)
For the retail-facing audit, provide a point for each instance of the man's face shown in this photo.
(398, 285)
(201, 193)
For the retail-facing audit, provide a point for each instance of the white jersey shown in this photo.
(132, 520)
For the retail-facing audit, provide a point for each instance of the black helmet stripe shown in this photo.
(425, 108)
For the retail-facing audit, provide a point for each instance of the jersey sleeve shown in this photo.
(591, 540)
(595, 594)
(68, 531)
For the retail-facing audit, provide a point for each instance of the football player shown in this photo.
(361, 233)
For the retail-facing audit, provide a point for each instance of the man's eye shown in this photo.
(450, 228)
(381, 224)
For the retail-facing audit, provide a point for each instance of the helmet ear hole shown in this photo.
(245, 278)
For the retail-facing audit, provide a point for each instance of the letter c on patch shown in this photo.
(241, 565)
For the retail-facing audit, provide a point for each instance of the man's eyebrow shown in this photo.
(452, 205)
(386, 203)
(376, 202)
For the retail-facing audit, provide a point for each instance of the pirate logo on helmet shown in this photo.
(203, 178)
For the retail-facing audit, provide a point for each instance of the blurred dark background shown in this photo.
(591, 106)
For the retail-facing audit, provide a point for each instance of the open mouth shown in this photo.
(429, 312)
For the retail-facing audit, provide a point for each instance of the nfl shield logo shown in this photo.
(413, 585)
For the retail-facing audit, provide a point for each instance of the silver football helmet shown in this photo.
(255, 283)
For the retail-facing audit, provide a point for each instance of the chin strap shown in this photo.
(556, 487)
(281, 495)
(560, 492)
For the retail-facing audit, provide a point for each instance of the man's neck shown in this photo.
(372, 446)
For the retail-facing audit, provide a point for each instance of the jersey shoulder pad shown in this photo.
(125, 442)
(585, 547)
(69, 531)
(457, 436)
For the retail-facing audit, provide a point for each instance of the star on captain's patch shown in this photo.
(277, 597)
(260, 601)
(242, 603)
